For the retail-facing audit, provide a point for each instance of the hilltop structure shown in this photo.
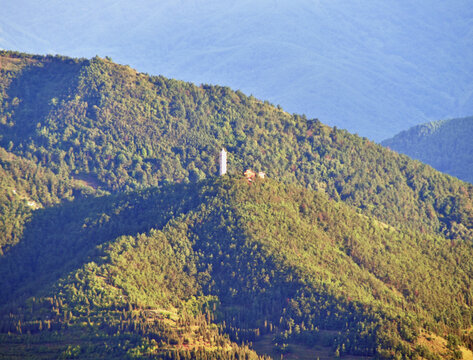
(223, 162)
(251, 175)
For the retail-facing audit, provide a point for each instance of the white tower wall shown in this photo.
(223, 162)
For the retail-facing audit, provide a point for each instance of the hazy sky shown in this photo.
(373, 67)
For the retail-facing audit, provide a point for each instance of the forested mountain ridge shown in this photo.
(119, 241)
(26, 186)
(445, 144)
(258, 259)
(374, 68)
(125, 130)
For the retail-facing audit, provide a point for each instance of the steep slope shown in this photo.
(85, 282)
(147, 273)
(374, 68)
(122, 130)
(26, 186)
(446, 145)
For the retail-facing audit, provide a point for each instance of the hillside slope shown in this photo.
(122, 130)
(148, 273)
(25, 187)
(445, 145)
(134, 249)
(374, 68)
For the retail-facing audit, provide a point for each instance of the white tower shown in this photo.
(223, 162)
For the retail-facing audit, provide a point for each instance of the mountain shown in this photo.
(374, 68)
(25, 187)
(444, 144)
(121, 242)
(118, 129)
(150, 273)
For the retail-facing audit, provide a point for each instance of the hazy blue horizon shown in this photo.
(374, 68)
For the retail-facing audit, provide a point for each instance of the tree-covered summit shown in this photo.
(122, 130)
(445, 144)
(214, 264)
(118, 239)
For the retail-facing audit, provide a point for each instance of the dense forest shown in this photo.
(444, 144)
(256, 259)
(122, 130)
(118, 240)
(26, 186)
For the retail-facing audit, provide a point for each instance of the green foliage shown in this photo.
(24, 187)
(186, 264)
(445, 145)
(117, 242)
(125, 130)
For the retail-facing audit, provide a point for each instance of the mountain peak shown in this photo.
(137, 243)
(444, 144)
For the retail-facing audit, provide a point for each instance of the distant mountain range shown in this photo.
(447, 145)
(372, 67)
(118, 240)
